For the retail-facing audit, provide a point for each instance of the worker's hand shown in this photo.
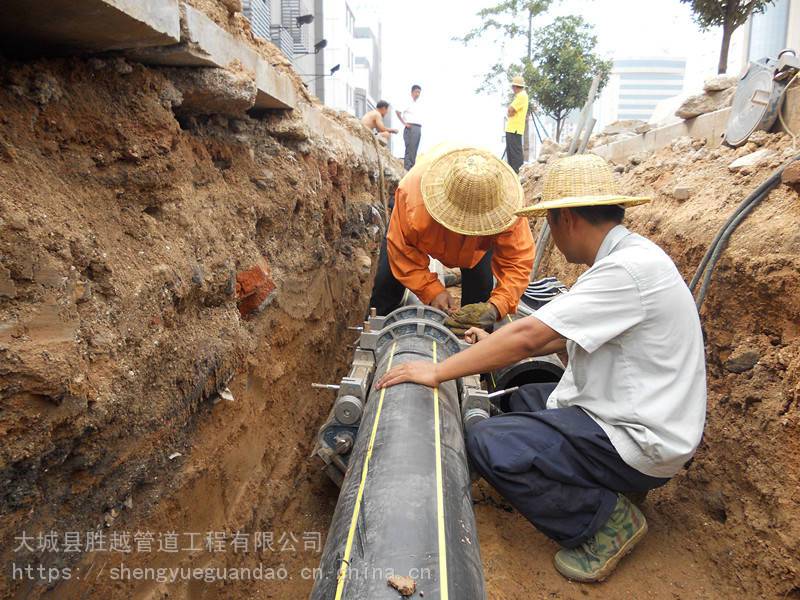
(422, 372)
(473, 335)
(481, 314)
(408, 125)
(444, 302)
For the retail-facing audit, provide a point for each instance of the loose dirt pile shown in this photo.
(122, 232)
(731, 522)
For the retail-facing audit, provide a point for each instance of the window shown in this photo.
(651, 76)
(652, 86)
(637, 97)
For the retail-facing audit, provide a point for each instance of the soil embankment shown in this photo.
(122, 231)
(734, 511)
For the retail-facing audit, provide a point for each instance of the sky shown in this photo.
(418, 48)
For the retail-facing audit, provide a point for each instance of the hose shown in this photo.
(706, 267)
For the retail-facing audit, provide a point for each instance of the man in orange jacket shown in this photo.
(457, 206)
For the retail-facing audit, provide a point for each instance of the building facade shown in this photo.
(368, 77)
(345, 74)
(768, 33)
(276, 21)
(259, 13)
(637, 85)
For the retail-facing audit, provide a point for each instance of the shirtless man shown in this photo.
(373, 121)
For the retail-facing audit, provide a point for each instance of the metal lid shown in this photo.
(754, 105)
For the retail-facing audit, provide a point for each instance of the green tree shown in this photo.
(561, 66)
(512, 20)
(728, 14)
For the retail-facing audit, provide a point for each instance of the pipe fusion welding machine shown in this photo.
(398, 455)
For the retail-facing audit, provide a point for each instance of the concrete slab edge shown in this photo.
(710, 126)
(161, 15)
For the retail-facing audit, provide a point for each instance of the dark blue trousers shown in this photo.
(557, 467)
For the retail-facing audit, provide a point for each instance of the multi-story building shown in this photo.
(637, 85)
(346, 71)
(259, 13)
(277, 21)
(367, 68)
(335, 65)
(768, 33)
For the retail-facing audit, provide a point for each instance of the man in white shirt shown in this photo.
(628, 412)
(411, 118)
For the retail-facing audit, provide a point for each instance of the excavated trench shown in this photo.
(152, 420)
(127, 240)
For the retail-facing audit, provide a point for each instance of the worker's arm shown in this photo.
(409, 265)
(400, 116)
(516, 105)
(512, 263)
(474, 335)
(381, 127)
(520, 339)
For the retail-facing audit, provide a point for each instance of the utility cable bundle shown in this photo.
(539, 293)
(721, 239)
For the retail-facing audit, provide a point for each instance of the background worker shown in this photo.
(457, 205)
(515, 125)
(411, 118)
(629, 410)
(373, 121)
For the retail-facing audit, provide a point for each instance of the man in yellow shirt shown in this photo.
(515, 126)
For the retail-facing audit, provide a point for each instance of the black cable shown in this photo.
(758, 191)
(720, 241)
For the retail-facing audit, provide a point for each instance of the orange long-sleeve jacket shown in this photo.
(414, 235)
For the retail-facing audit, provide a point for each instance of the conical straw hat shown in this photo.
(472, 192)
(579, 180)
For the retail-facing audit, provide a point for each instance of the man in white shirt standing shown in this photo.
(411, 118)
(630, 409)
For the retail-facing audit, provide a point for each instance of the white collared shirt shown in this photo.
(636, 355)
(413, 113)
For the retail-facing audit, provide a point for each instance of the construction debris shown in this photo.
(749, 161)
(707, 102)
(791, 175)
(682, 192)
(403, 584)
(255, 288)
(719, 83)
(213, 91)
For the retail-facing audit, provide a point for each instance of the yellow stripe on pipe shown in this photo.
(439, 493)
(348, 548)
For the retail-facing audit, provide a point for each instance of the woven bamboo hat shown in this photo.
(518, 81)
(579, 180)
(472, 192)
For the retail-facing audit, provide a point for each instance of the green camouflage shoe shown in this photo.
(598, 556)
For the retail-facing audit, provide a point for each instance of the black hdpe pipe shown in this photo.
(538, 369)
(405, 506)
(720, 241)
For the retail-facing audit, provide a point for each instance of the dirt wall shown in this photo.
(122, 232)
(739, 501)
